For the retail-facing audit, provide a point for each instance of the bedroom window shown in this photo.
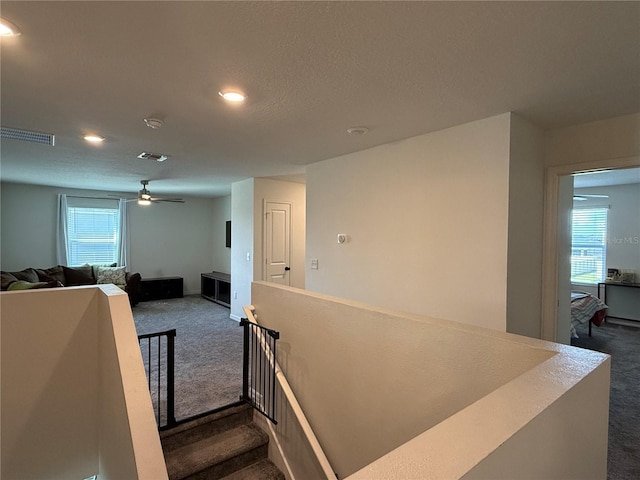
(589, 245)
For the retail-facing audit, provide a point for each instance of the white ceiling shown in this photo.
(310, 69)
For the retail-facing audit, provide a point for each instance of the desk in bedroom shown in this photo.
(623, 299)
(216, 286)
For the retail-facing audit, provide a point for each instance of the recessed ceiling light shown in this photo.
(232, 96)
(94, 138)
(8, 29)
(357, 130)
(154, 123)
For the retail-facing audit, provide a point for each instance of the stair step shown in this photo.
(205, 427)
(219, 455)
(261, 470)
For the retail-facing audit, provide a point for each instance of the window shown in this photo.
(91, 230)
(589, 245)
(92, 235)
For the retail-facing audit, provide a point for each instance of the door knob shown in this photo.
(286, 269)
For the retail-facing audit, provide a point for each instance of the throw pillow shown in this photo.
(22, 285)
(115, 275)
(95, 266)
(7, 279)
(78, 275)
(28, 275)
(54, 273)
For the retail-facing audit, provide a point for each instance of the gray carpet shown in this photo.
(623, 344)
(208, 351)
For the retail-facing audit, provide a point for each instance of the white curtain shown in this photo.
(61, 231)
(123, 239)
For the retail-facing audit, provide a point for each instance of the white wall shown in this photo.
(28, 226)
(173, 239)
(167, 239)
(242, 241)
(524, 264)
(427, 398)
(267, 190)
(247, 205)
(427, 220)
(74, 396)
(46, 390)
(129, 444)
(221, 253)
(623, 224)
(617, 137)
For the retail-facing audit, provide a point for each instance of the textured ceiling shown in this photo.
(310, 69)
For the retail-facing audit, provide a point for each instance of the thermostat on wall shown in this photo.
(342, 238)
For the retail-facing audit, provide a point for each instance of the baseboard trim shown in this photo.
(235, 317)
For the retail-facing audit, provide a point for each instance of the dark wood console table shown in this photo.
(634, 297)
(216, 286)
(160, 288)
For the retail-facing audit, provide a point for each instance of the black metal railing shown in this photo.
(160, 375)
(259, 368)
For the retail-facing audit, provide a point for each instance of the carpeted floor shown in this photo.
(208, 350)
(623, 344)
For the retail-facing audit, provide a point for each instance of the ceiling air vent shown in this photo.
(153, 156)
(27, 136)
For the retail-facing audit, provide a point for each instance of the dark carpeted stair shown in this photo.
(225, 444)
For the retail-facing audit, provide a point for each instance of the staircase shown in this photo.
(224, 445)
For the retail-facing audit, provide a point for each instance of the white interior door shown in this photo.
(277, 242)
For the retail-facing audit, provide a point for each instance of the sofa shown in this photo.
(62, 276)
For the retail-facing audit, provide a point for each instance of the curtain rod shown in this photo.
(94, 198)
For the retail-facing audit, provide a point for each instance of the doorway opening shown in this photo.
(559, 192)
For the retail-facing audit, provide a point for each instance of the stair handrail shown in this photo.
(297, 410)
(170, 375)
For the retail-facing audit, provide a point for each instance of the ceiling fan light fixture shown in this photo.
(143, 201)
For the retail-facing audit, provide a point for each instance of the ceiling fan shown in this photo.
(585, 196)
(144, 196)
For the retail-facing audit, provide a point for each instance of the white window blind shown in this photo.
(92, 235)
(589, 245)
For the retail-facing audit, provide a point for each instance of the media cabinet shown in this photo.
(160, 288)
(216, 286)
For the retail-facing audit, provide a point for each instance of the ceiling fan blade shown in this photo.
(118, 197)
(174, 200)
